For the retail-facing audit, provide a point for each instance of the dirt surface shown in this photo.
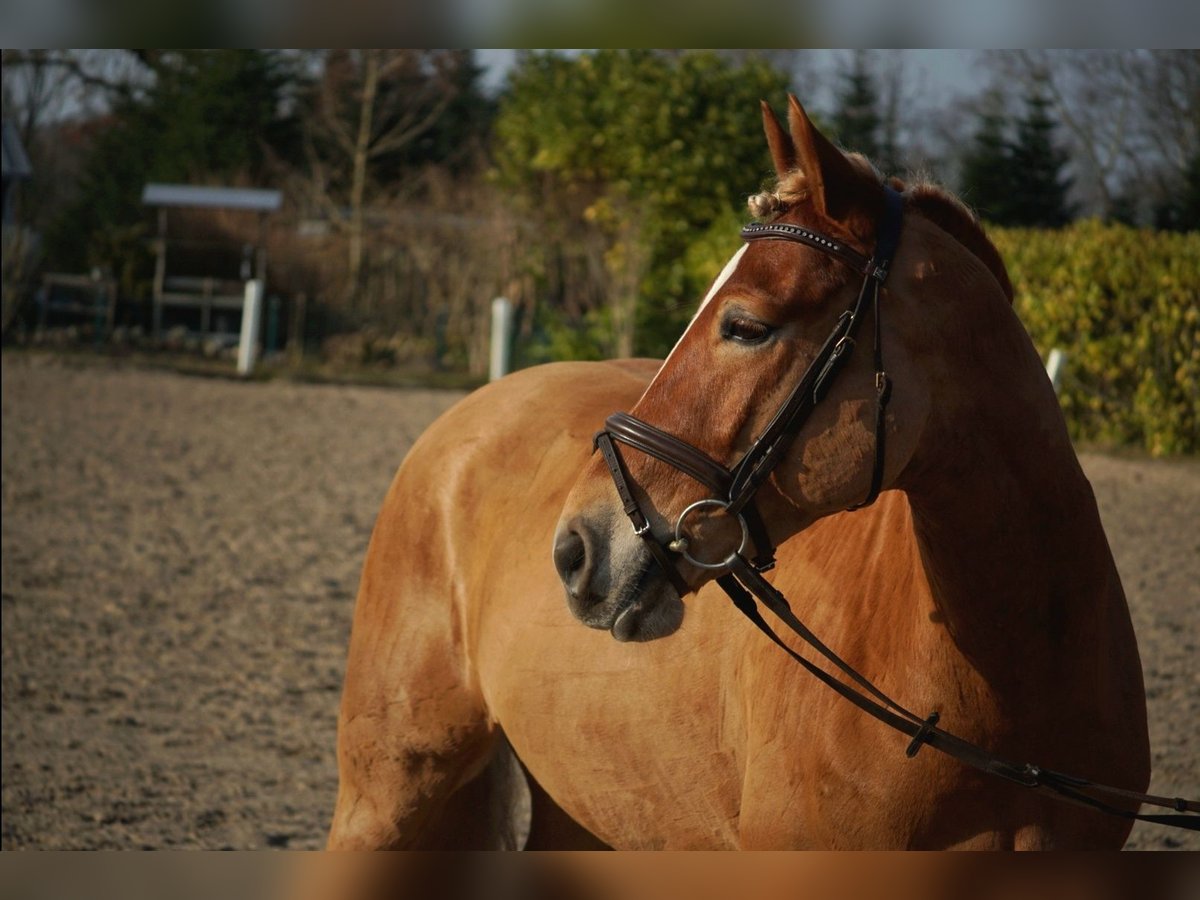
(180, 557)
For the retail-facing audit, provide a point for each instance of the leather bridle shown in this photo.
(734, 490)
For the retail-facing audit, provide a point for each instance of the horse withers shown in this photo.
(478, 712)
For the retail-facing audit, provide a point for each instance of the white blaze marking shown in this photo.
(726, 274)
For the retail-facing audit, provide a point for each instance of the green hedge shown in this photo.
(1124, 304)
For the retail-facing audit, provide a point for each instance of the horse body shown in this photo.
(980, 586)
(713, 738)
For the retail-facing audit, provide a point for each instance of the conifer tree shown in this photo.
(1039, 197)
(856, 120)
(1182, 211)
(1017, 179)
(987, 180)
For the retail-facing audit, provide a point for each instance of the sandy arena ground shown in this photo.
(180, 558)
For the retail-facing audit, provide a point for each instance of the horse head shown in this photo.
(767, 323)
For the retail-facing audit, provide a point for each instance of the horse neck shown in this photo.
(1007, 525)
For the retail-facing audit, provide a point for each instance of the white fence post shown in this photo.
(502, 317)
(1054, 367)
(251, 317)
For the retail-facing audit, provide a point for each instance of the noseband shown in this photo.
(734, 488)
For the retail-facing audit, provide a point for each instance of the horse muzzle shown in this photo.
(613, 584)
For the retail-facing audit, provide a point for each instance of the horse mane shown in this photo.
(937, 205)
(926, 198)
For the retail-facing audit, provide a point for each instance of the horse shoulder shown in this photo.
(414, 722)
(857, 581)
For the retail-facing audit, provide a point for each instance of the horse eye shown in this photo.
(746, 331)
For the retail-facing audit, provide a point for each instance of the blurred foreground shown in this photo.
(579, 876)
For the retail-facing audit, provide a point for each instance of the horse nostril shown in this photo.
(570, 558)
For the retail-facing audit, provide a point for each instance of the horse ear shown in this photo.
(783, 151)
(835, 185)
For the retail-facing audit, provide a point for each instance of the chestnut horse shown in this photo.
(478, 712)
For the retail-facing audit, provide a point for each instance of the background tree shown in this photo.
(856, 119)
(1181, 212)
(615, 181)
(896, 149)
(650, 150)
(1131, 119)
(202, 114)
(375, 117)
(987, 179)
(1039, 189)
(51, 97)
(867, 109)
(1013, 172)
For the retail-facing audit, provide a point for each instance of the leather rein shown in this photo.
(733, 495)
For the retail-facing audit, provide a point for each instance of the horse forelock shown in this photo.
(792, 189)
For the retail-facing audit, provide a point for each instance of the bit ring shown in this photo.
(680, 544)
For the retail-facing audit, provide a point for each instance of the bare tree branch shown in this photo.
(369, 104)
(1132, 117)
(112, 73)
